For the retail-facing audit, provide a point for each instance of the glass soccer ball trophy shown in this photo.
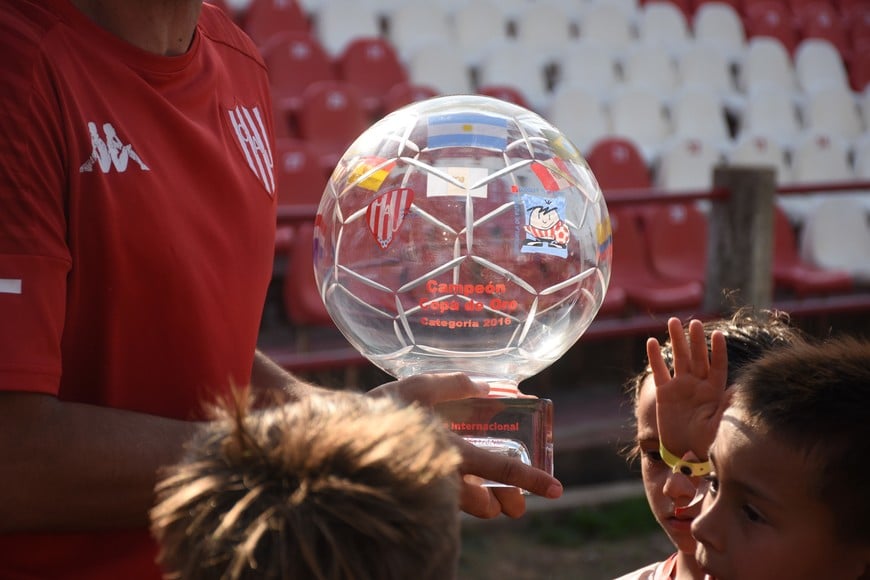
(465, 233)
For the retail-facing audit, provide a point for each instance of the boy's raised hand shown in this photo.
(689, 403)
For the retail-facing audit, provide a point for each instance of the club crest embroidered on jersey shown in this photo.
(252, 137)
(109, 151)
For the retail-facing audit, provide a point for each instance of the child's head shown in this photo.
(788, 495)
(338, 486)
(748, 334)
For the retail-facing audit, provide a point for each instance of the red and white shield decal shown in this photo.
(386, 214)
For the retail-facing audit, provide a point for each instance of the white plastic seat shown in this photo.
(705, 66)
(580, 114)
(513, 64)
(833, 109)
(546, 27)
(415, 24)
(771, 111)
(699, 113)
(338, 23)
(651, 67)
(440, 65)
(818, 64)
(609, 25)
(687, 164)
(663, 24)
(836, 236)
(641, 115)
(758, 150)
(476, 26)
(719, 24)
(816, 159)
(765, 61)
(590, 65)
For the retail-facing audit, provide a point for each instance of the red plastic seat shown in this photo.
(859, 69)
(302, 301)
(330, 119)
(295, 61)
(372, 65)
(265, 19)
(301, 179)
(617, 163)
(632, 270)
(505, 93)
(820, 19)
(406, 93)
(791, 272)
(676, 235)
(771, 18)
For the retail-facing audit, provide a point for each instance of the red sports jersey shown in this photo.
(137, 212)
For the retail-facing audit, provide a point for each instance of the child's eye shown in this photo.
(752, 515)
(712, 484)
(653, 455)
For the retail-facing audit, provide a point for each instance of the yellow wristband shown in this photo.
(688, 468)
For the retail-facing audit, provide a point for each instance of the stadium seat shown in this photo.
(517, 65)
(651, 67)
(676, 236)
(442, 66)
(267, 18)
(632, 269)
(372, 65)
(609, 25)
(301, 179)
(759, 150)
(475, 26)
(590, 65)
(859, 71)
(406, 93)
(820, 19)
(816, 159)
(773, 112)
(618, 164)
(505, 93)
(295, 60)
(547, 27)
(771, 19)
(719, 24)
(580, 115)
(687, 164)
(640, 114)
(791, 272)
(705, 67)
(340, 22)
(765, 61)
(833, 110)
(664, 25)
(836, 236)
(818, 64)
(415, 24)
(330, 119)
(700, 114)
(302, 301)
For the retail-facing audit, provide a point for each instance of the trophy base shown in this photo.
(518, 428)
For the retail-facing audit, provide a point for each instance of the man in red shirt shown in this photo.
(137, 212)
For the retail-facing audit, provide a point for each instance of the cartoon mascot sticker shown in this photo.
(545, 228)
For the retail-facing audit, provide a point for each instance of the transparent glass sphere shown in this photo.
(463, 233)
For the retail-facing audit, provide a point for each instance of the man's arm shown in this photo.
(71, 466)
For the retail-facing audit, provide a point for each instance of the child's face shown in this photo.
(760, 518)
(665, 490)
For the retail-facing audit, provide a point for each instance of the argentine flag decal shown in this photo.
(467, 130)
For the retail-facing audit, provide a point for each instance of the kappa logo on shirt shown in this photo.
(251, 134)
(109, 152)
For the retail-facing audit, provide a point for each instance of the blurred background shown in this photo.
(656, 95)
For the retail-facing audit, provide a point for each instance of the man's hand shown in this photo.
(478, 464)
(689, 403)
